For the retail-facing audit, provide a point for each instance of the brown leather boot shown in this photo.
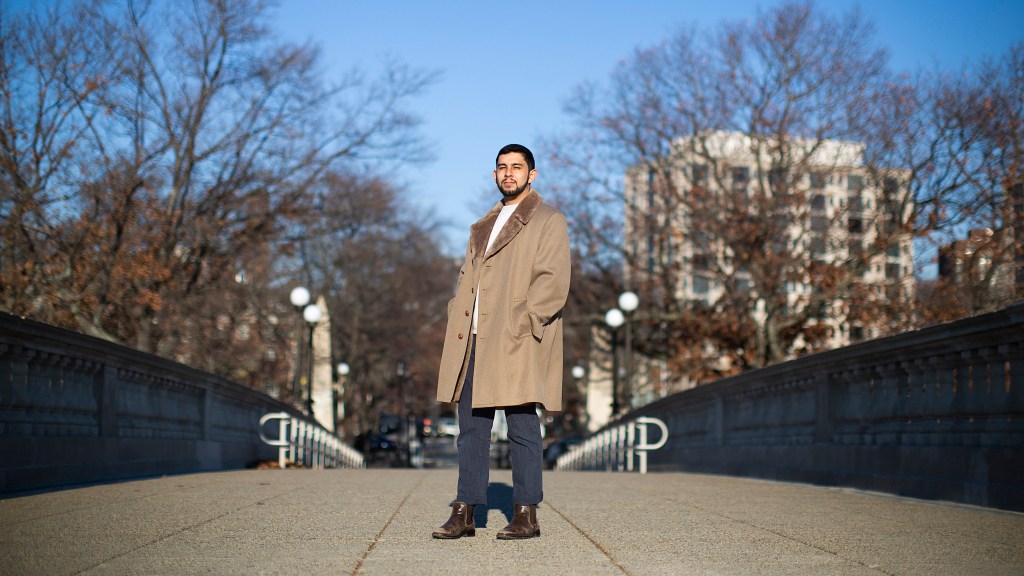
(523, 525)
(459, 524)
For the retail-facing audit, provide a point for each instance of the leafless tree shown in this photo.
(156, 158)
(803, 90)
(386, 279)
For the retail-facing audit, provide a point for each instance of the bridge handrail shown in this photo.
(615, 448)
(308, 443)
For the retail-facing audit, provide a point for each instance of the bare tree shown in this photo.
(53, 65)
(155, 155)
(718, 146)
(387, 281)
(983, 121)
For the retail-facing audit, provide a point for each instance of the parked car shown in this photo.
(376, 446)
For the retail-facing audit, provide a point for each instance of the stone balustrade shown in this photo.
(77, 409)
(937, 413)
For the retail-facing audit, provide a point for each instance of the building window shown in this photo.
(699, 175)
(742, 285)
(855, 203)
(819, 223)
(890, 187)
(818, 180)
(818, 202)
(740, 177)
(855, 183)
(855, 226)
(701, 284)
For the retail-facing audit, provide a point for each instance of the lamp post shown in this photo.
(342, 371)
(614, 318)
(628, 303)
(299, 297)
(569, 419)
(311, 314)
(402, 411)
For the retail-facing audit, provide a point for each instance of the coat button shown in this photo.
(460, 336)
(467, 312)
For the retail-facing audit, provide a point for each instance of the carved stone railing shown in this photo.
(937, 413)
(77, 409)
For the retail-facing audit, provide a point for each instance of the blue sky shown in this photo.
(505, 68)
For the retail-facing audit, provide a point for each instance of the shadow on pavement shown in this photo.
(499, 497)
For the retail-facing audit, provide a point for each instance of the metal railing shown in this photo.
(616, 448)
(308, 444)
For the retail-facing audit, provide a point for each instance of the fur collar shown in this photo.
(481, 231)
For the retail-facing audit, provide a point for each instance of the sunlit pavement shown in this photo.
(379, 520)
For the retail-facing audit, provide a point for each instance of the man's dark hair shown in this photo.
(520, 149)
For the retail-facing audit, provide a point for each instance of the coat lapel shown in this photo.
(481, 231)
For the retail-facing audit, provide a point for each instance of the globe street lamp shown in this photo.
(311, 314)
(578, 372)
(342, 372)
(628, 303)
(614, 318)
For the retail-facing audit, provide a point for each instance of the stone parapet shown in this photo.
(77, 409)
(936, 413)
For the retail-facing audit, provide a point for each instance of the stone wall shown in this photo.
(77, 409)
(937, 413)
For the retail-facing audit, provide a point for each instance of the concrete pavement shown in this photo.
(378, 521)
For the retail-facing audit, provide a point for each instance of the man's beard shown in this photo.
(510, 194)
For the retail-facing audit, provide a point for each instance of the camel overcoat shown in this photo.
(523, 282)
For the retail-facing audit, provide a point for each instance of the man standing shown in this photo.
(503, 345)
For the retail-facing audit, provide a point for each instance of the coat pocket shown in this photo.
(520, 318)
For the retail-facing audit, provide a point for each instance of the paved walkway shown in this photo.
(378, 521)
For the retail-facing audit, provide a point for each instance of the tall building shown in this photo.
(812, 207)
(815, 204)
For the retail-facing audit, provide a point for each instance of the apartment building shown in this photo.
(809, 206)
(821, 202)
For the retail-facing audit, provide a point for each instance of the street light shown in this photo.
(311, 314)
(614, 318)
(342, 371)
(629, 302)
(299, 297)
(578, 372)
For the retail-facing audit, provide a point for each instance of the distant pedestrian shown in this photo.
(503, 345)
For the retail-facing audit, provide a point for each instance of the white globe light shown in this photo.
(628, 301)
(578, 372)
(311, 313)
(299, 296)
(614, 318)
(343, 369)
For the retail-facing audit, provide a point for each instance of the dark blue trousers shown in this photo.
(474, 444)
